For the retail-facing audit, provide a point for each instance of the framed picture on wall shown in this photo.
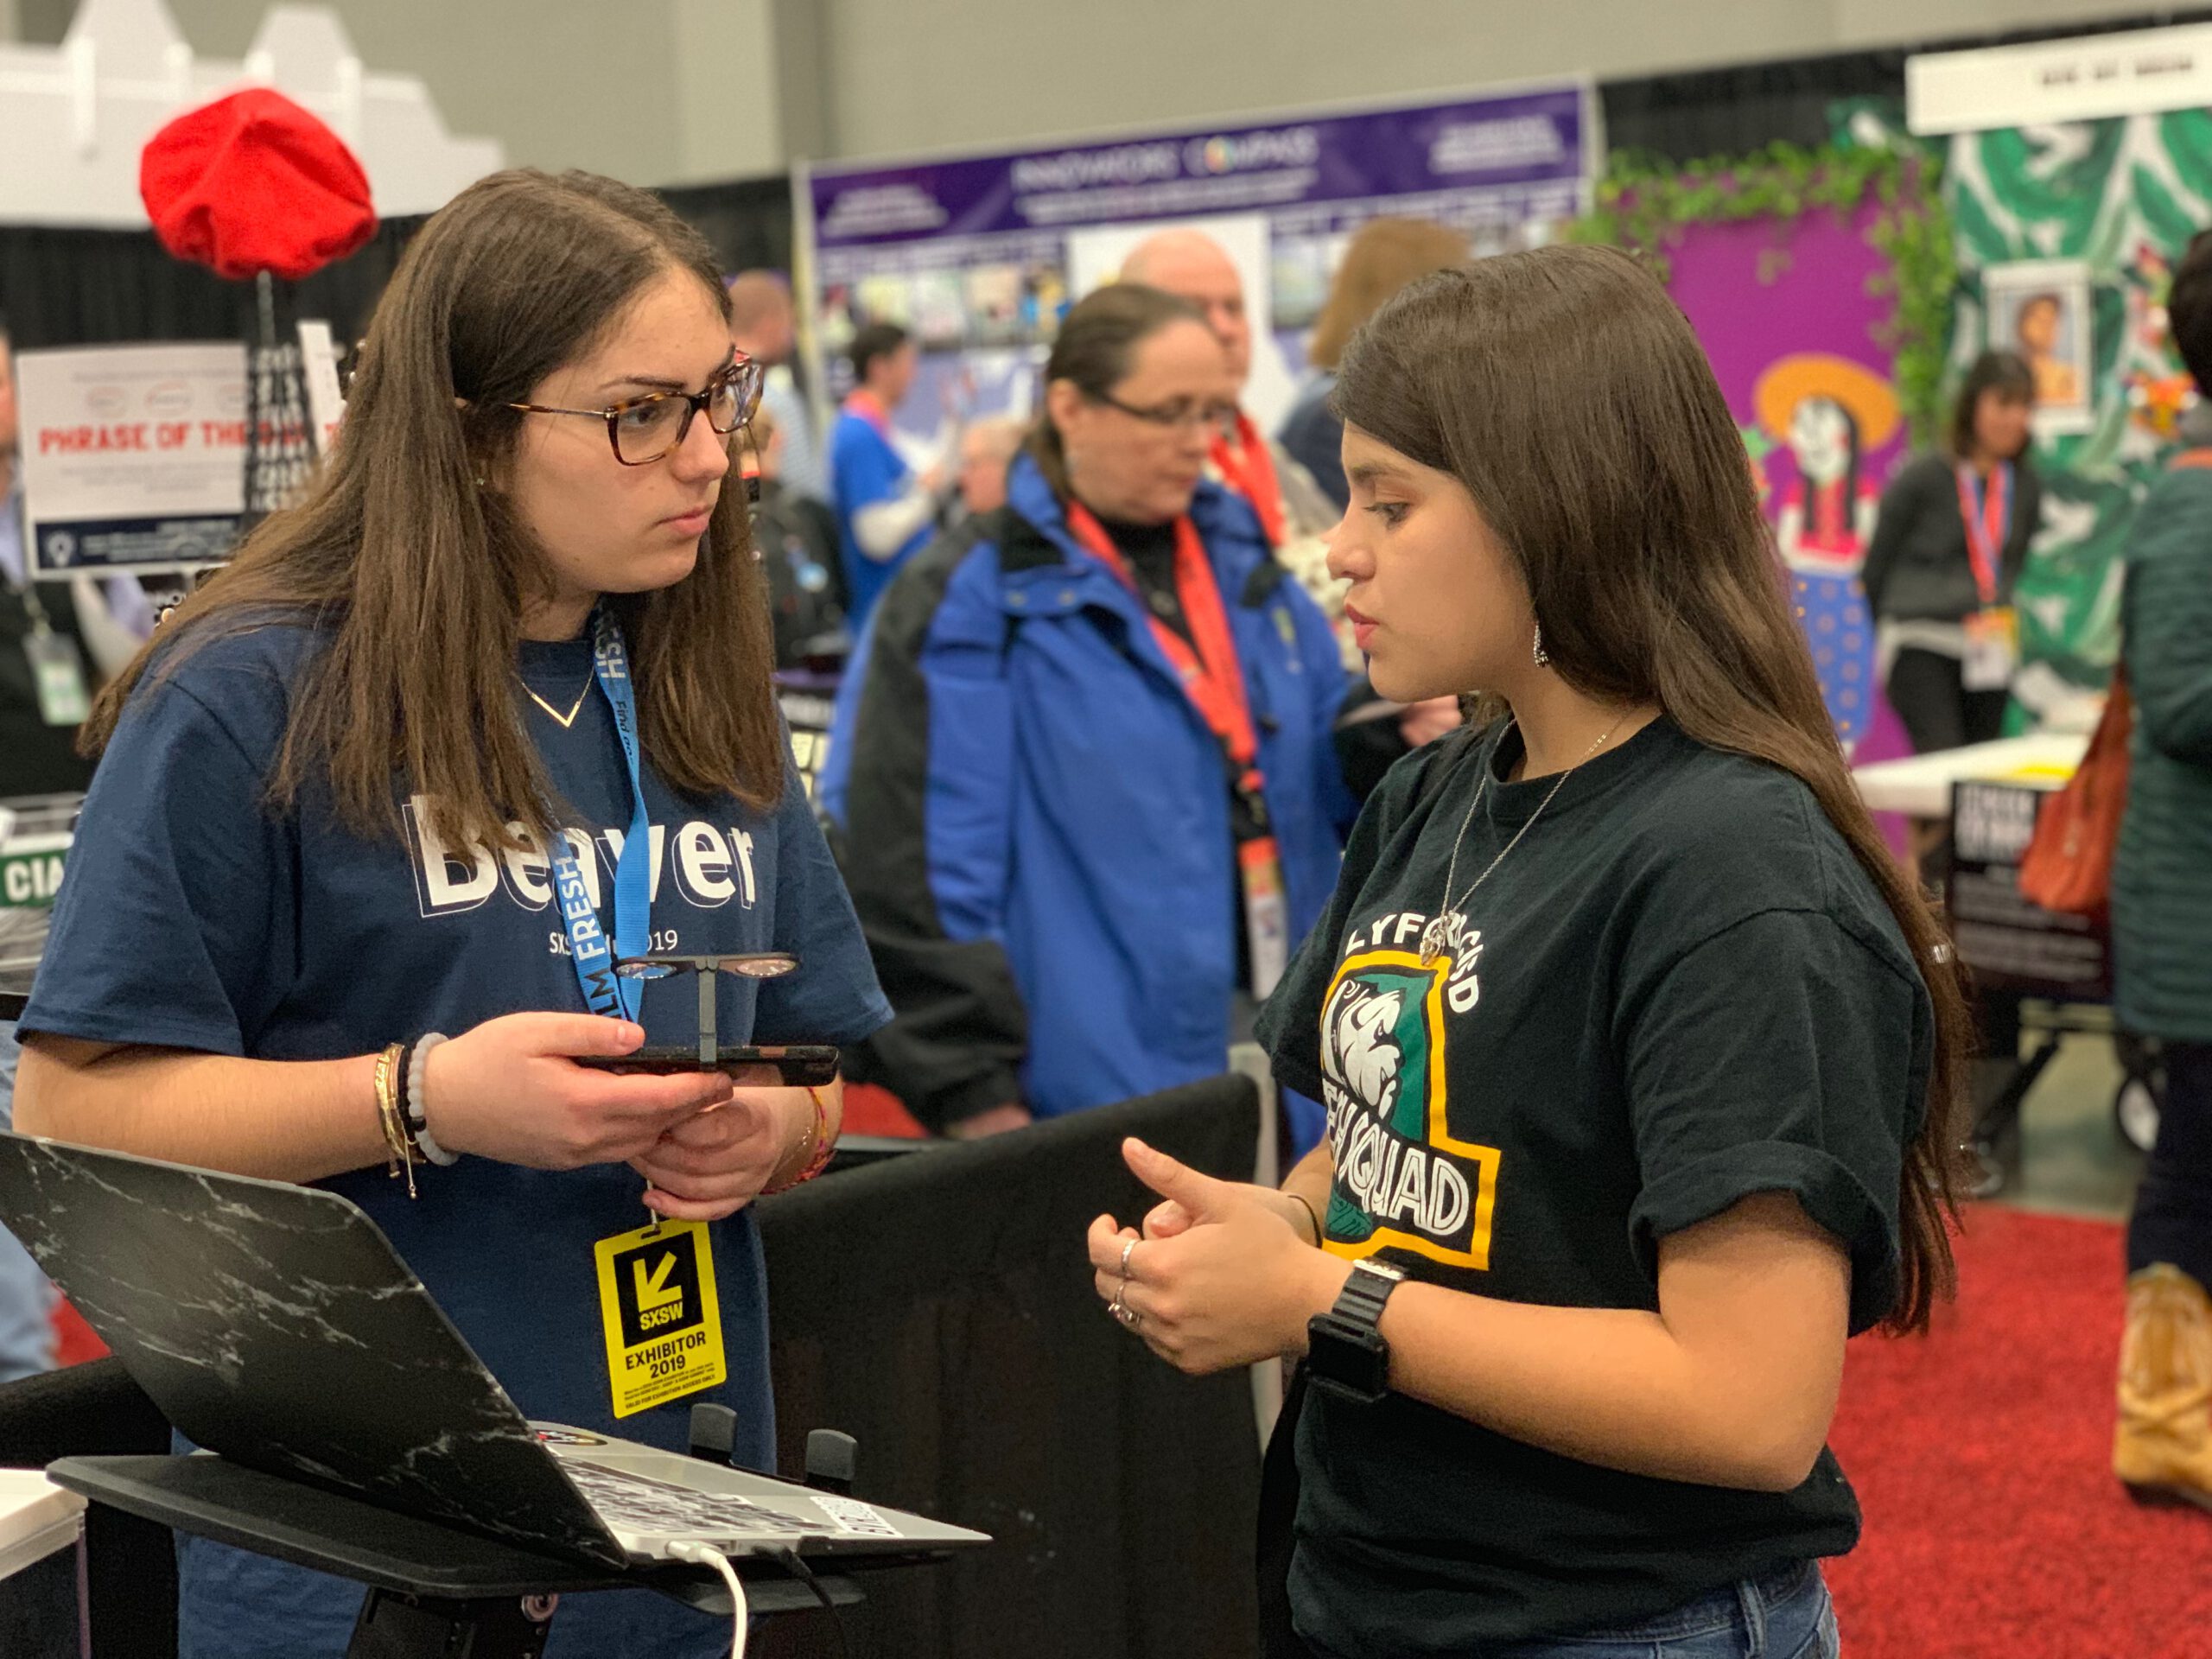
(2040, 308)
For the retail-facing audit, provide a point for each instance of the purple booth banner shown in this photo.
(1529, 150)
(979, 255)
(1785, 316)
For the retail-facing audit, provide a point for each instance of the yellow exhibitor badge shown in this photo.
(656, 1305)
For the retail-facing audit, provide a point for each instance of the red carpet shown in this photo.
(872, 1110)
(1981, 1455)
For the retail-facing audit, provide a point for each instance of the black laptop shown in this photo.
(274, 1324)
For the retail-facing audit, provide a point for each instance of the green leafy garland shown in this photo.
(1643, 205)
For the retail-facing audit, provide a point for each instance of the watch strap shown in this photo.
(1364, 1291)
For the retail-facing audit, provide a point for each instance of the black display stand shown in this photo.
(433, 1590)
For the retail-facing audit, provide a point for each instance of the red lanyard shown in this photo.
(1211, 676)
(1987, 528)
(869, 408)
(1249, 469)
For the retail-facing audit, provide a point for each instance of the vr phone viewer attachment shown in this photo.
(800, 1065)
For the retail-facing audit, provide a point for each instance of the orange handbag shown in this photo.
(2068, 866)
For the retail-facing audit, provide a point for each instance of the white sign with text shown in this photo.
(2141, 71)
(133, 456)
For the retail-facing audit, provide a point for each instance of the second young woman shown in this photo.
(1639, 1056)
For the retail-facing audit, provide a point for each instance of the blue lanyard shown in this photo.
(605, 991)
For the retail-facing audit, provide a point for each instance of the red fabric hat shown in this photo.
(253, 182)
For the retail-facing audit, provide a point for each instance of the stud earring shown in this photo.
(1543, 656)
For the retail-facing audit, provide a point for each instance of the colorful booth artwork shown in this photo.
(2112, 203)
(1786, 315)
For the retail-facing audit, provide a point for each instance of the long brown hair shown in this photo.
(1564, 390)
(1383, 257)
(418, 577)
(1094, 351)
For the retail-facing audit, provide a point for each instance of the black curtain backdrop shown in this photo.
(69, 287)
(748, 220)
(1686, 117)
(939, 1307)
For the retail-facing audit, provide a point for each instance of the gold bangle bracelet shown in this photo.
(383, 1119)
(395, 1131)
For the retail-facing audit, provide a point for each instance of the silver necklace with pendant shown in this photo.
(1436, 934)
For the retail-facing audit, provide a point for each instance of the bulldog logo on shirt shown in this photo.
(1401, 1180)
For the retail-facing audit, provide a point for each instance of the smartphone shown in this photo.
(802, 1065)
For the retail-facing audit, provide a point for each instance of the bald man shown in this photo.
(1294, 510)
(1193, 266)
(764, 325)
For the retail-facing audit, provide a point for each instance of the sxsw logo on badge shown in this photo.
(658, 1288)
(1403, 1180)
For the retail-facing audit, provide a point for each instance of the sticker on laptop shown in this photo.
(567, 1437)
(851, 1515)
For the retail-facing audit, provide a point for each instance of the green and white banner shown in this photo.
(2067, 236)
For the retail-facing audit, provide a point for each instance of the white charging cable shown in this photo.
(708, 1555)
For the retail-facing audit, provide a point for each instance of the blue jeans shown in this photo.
(1785, 1616)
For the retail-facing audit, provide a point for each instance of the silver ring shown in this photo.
(1128, 1247)
(1115, 1306)
(1128, 1316)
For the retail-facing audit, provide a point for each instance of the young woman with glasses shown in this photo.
(1084, 772)
(1642, 1061)
(488, 710)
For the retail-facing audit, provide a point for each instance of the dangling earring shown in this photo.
(1543, 656)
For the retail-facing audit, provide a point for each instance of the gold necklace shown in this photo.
(564, 721)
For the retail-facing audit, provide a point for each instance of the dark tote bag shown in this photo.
(1278, 1528)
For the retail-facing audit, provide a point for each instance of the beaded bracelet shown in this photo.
(418, 1122)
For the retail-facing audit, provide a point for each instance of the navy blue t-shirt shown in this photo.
(192, 917)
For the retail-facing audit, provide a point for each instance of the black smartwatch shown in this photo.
(1344, 1353)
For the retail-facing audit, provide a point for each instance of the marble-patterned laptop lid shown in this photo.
(274, 1324)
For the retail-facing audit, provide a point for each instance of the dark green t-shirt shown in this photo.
(1679, 989)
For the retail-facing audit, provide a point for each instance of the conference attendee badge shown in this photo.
(59, 673)
(1992, 649)
(1267, 914)
(658, 1307)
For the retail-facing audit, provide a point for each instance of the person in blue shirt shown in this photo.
(1085, 778)
(887, 511)
(496, 693)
